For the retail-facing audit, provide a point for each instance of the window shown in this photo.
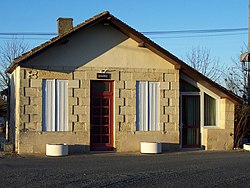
(147, 106)
(209, 110)
(55, 105)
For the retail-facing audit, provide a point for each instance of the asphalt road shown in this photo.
(184, 169)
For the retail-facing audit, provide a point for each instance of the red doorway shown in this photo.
(101, 118)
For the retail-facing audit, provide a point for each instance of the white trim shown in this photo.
(201, 93)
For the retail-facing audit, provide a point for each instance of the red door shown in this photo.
(191, 121)
(101, 118)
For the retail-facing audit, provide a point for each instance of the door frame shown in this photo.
(110, 146)
(183, 94)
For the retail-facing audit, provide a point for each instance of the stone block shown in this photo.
(175, 85)
(120, 101)
(164, 118)
(79, 92)
(124, 76)
(131, 119)
(125, 93)
(24, 83)
(130, 85)
(32, 126)
(171, 93)
(73, 118)
(54, 75)
(120, 84)
(115, 75)
(39, 92)
(117, 93)
(74, 83)
(145, 76)
(84, 101)
(25, 118)
(79, 126)
(170, 110)
(73, 101)
(171, 126)
(36, 101)
(79, 75)
(125, 127)
(70, 92)
(85, 84)
(164, 101)
(30, 109)
(173, 102)
(91, 75)
(164, 85)
(31, 92)
(34, 118)
(34, 83)
(79, 110)
(127, 110)
(130, 101)
(133, 93)
(229, 116)
(170, 77)
(84, 118)
(120, 118)
(24, 100)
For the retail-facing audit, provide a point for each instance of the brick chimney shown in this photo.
(64, 25)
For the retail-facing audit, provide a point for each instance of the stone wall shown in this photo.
(126, 138)
(221, 138)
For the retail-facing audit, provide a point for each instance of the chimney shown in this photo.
(64, 25)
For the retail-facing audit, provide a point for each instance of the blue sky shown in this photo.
(143, 15)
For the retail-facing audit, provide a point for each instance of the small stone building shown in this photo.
(103, 86)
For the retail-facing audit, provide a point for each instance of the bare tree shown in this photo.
(236, 81)
(200, 59)
(8, 52)
(236, 77)
(241, 126)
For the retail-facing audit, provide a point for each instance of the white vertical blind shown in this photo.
(49, 105)
(147, 106)
(55, 105)
(142, 106)
(153, 106)
(62, 105)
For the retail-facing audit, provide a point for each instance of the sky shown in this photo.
(144, 16)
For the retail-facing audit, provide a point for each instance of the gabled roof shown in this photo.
(142, 41)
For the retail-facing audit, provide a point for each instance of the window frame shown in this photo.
(203, 90)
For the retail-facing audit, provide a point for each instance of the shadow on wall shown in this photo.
(77, 50)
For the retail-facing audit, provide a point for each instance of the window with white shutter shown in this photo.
(55, 105)
(147, 106)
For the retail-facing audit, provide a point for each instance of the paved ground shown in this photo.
(183, 169)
